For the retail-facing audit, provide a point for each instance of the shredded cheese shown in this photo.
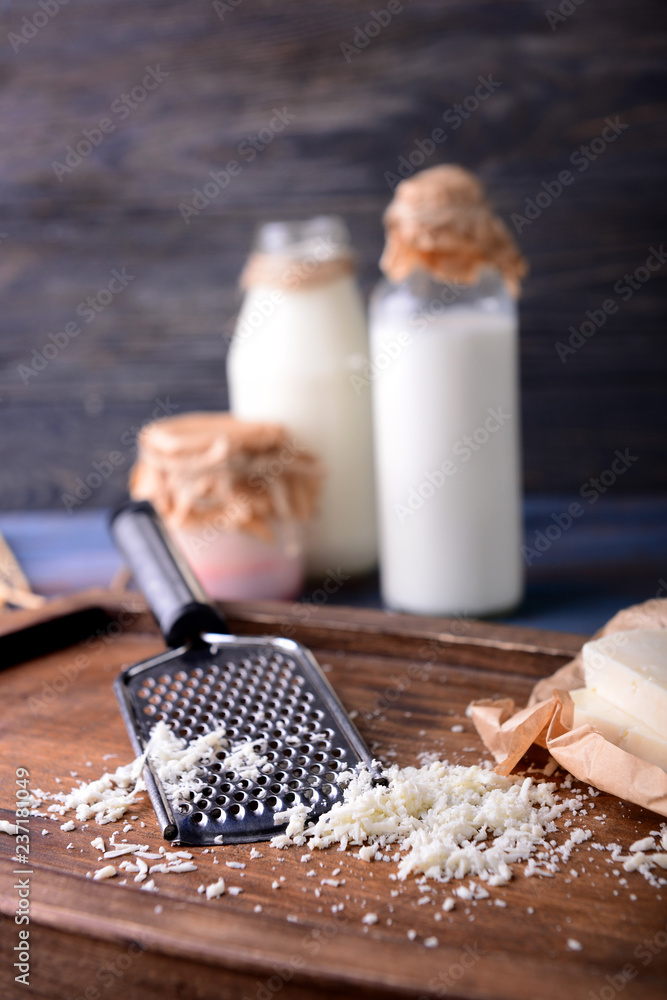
(177, 763)
(107, 872)
(449, 821)
(215, 889)
(104, 800)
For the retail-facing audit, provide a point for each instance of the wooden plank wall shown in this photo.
(218, 75)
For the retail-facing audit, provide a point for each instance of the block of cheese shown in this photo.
(629, 669)
(619, 727)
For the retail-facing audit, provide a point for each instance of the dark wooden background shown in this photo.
(163, 338)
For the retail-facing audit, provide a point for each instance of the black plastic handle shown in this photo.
(174, 595)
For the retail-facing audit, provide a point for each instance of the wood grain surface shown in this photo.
(161, 341)
(106, 940)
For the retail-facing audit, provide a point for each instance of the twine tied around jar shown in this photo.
(441, 222)
(291, 274)
(295, 256)
(201, 469)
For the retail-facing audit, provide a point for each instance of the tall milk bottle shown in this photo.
(300, 337)
(444, 353)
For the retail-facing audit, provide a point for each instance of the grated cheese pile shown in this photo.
(449, 821)
(177, 762)
(104, 800)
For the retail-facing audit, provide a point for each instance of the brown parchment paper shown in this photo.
(547, 721)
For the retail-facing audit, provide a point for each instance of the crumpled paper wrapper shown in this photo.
(585, 753)
(440, 221)
(196, 467)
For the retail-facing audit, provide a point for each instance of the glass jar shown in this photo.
(234, 565)
(235, 496)
(446, 425)
(300, 337)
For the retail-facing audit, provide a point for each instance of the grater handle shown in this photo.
(174, 595)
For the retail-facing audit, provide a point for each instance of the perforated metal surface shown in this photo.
(271, 693)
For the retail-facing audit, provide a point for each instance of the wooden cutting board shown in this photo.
(409, 680)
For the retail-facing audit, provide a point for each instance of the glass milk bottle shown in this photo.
(446, 414)
(300, 337)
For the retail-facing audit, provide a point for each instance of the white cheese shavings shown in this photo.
(182, 866)
(370, 918)
(118, 852)
(177, 763)
(8, 828)
(107, 798)
(215, 889)
(142, 866)
(107, 872)
(449, 821)
(68, 826)
(128, 866)
(645, 844)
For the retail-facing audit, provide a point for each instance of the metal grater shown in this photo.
(268, 691)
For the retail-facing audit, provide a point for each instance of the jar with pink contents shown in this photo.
(235, 496)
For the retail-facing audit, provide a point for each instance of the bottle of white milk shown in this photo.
(300, 336)
(444, 363)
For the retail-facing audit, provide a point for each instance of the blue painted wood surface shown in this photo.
(613, 555)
